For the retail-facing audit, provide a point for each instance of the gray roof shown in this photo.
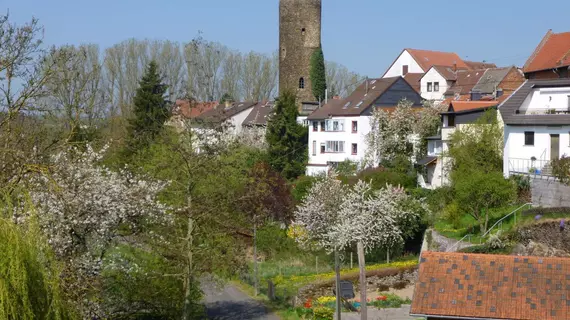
(221, 113)
(491, 79)
(510, 106)
(259, 115)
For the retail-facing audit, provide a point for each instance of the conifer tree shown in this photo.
(318, 74)
(286, 138)
(150, 111)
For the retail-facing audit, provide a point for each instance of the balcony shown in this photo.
(530, 167)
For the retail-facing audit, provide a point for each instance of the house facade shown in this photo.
(434, 168)
(537, 126)
(338, 131)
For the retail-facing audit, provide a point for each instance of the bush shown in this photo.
(323, 313)
(301, 187)
(546, 211)
(452, 214)
(561, 169)
(379, 177)
(389, 300)
(495, 242)
(272, 240)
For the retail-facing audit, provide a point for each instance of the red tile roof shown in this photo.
(426, 59)
(551, 53)
(459, 285)
(474, 65)
(414, 80)
(184, 108)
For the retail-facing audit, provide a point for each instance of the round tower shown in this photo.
(299, 36)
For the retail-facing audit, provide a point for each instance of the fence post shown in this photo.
(270, 290)
(351, 260)
(317, 264)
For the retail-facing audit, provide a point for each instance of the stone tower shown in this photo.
(299, 36)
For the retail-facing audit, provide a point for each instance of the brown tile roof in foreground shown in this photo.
(478, 286)
(466, 80)
(358, 101)
(552, 52)
(188, 110)
(427, 59)
(414, 80)
(461, 106)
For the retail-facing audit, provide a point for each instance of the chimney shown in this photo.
(454, 66)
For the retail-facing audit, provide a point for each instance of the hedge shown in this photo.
(546, 211)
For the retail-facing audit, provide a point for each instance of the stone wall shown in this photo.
(549, 193)
(397, 279)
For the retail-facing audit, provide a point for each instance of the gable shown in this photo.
(405, 58)
(393, 95)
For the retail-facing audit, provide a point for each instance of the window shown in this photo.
(314, 147)
(354, 126)
(315, 126)
(429, 87)
(323, 148)
(322, 126)
(568, 103)
(302, 83)
(303, 31)
(529, 138)
(335, 146)
(451, 120)
(404, 69)
(354, 148)
(436, 87)
(334, 125)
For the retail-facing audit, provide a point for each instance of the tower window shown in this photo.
(301, 83)
(303, 31)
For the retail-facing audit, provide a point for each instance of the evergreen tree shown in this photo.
(150, 112)
(226, 97)
(318, 74)
(287, 139)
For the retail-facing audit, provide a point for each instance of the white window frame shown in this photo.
(436, 87)
(332, 125)
(429, 86)
(334, 147)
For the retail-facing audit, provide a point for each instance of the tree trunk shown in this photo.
(255, 282)
(337, 273)
(362, 280)
(486, 220)
(188, 276)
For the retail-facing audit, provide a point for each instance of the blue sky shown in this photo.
(364, 35)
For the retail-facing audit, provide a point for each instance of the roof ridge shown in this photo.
(538, 48)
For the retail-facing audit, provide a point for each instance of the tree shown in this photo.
(287, 139)
(372, 219)
(340, 81)
(150, 110)
(477, 147)
(477, 191)
(318, 74)
(226, 98)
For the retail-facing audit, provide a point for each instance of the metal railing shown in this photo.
(542, 111)
(450, 249)
(500, 222)
(537, 167)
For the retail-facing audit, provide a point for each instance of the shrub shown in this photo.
(323, 313)
(561, 169)
(301, 187)
(546, 211)
(495, 242)
(382, 176)
(453, 215)
(389, 300)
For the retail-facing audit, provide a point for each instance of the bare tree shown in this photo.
(232, 70)
(204, 61)
(340, 81)
(259, 77)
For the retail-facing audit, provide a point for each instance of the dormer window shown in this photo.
(301, 83)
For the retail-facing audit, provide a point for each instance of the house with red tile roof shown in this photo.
(337, 131)
(433, 169)
(453, 285)
(551, 58)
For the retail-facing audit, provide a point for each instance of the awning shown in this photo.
(425, 161)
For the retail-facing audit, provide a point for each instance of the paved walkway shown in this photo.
(231, 303)
(444, 244)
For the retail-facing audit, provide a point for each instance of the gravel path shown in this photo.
(231, 303)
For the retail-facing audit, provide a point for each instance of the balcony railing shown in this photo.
(530, 167)
(543, 111)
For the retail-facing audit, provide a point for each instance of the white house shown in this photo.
(537, 126)
(434, 168)
(338, 130)
(420, 61)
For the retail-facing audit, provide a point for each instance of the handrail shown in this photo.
(503, 218)
(458, 242)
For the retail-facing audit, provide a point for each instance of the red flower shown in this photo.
(308, 304)
(381, 298)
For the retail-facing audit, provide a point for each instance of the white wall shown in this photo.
(433, 76)
(404, 59)
(317, 161)
(517, 155)
(237, 120)
(540, 100)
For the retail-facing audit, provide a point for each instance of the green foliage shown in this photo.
(287, 140)
(477, 147)
(323, 313)
(318, 74)
(29, 276)
(301, 187)
(134, 279)
(379, 177)
(272, 240)
(150, 110)
(561, 169)
(391, 301)
(226, 97)
(347, 168)
(523, 187)
(476, 192)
